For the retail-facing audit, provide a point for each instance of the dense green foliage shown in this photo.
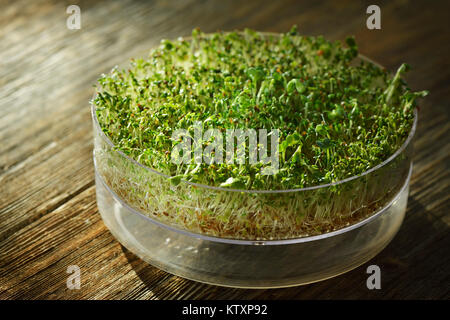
(338, 116)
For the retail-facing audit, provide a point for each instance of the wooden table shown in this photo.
(48, 214)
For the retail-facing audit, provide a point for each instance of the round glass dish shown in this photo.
(141, 208)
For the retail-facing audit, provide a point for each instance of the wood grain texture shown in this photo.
(48, 214)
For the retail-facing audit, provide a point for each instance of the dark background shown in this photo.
(48, 214)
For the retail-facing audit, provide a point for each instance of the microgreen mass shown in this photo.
(337, 116)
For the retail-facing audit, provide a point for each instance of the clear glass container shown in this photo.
(248, 263)
(203, 233)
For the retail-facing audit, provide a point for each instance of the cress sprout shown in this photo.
(338, 116)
